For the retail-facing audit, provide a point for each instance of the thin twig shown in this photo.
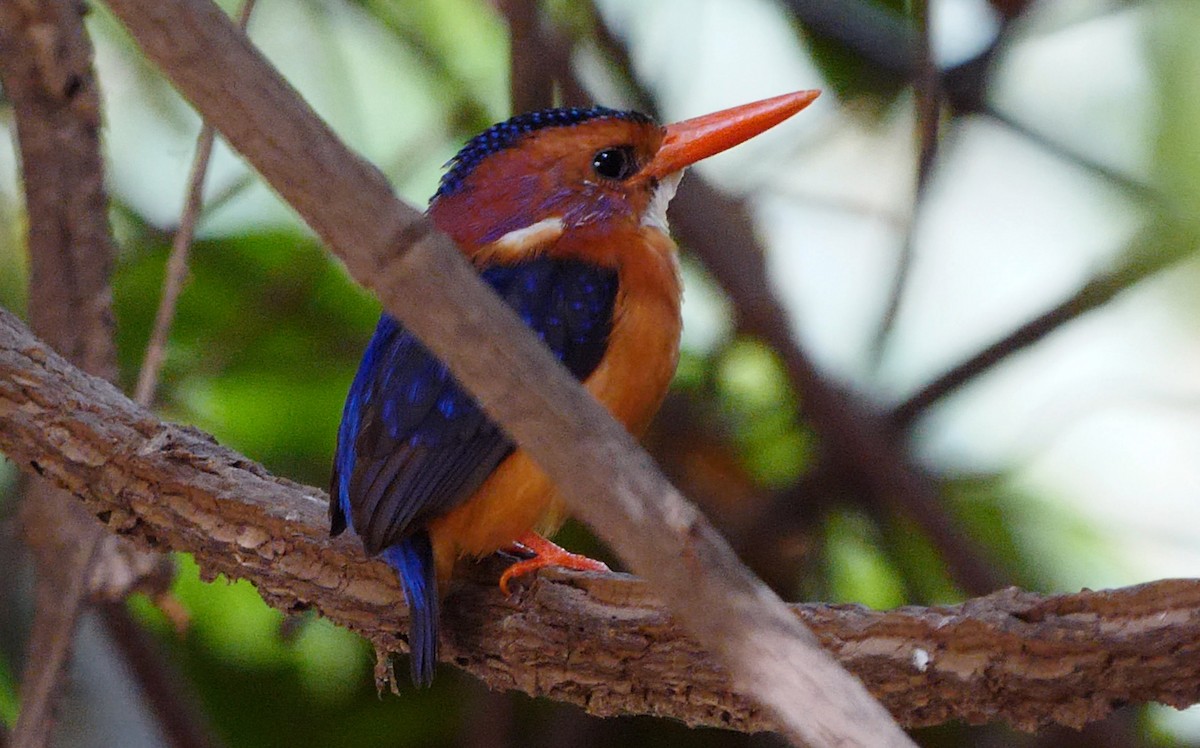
(1158, 247)
(176, 272)
(177, 263)
(59, 607)
(1133, 187)
(928, 93)
(176, 710)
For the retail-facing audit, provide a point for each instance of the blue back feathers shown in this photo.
(503, 135)
(412, 443)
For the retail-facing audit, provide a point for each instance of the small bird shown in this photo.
(563, 213)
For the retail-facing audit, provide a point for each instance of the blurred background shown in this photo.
(941, 330)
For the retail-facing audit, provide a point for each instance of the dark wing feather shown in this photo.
(412, 444)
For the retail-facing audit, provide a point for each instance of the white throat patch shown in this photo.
(656, 212)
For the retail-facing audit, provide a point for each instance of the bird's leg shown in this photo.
(545, 553)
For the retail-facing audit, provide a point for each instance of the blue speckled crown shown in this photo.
(504, 134)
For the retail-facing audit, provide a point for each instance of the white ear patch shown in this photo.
(519, 241)
(656, 212)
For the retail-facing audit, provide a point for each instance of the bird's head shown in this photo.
(584, 174)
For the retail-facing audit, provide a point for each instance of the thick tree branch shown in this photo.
(47, 77)
(422, 278)
(604, 642)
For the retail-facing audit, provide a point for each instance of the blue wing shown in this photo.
(413, 444)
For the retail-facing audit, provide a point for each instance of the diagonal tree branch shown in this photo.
(604, 642)
(859, 449)
(422, 278)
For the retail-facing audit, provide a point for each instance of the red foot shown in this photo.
(545, 553)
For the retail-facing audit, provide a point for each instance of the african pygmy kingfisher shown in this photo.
(563, 212)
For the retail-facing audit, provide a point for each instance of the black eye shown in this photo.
(615, 163)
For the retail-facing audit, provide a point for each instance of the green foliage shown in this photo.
(9, 701)
(856, 569)
(1176, 60)
(847, 71)
(271, 681)
(14, 261)
(265, 342)
(760, 405)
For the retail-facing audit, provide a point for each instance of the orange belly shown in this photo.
(515, 498)
(631, 381)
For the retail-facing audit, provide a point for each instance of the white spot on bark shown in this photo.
(921, 659)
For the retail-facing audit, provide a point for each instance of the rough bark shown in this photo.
(604, 642)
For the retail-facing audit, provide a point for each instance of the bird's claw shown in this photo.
(545, 553)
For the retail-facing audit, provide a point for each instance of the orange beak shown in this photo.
(694, 139)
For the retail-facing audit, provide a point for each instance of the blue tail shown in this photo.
(413, 558)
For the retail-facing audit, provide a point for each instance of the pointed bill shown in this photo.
(698, 138)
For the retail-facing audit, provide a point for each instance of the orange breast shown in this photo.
(631, 381)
